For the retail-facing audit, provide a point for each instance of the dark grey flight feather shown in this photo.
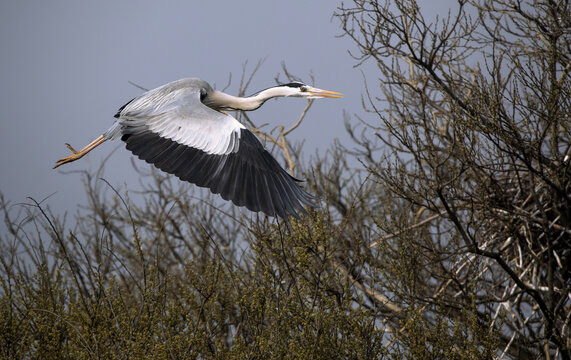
(249, 177)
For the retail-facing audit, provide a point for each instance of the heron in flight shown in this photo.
(182, 128)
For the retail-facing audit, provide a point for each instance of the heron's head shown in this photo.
(299, 89)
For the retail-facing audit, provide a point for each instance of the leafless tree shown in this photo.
(471, 113)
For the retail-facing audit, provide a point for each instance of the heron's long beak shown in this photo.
(315, 92)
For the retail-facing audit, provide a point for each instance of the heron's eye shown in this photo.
(303, 88)
(203, 94)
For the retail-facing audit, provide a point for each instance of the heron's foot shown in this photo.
(68, 159)
(79, 154)
(75, 156)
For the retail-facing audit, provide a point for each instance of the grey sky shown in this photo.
(65, 67)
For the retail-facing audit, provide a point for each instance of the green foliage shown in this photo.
(202, 308)
(443, 338)
(287, 295)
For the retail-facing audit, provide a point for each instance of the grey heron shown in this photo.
(182, 128)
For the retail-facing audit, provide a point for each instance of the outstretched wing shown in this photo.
(210, 149)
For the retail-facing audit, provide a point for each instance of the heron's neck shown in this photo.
(222, 101)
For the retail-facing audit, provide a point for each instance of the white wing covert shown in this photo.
(185, 120)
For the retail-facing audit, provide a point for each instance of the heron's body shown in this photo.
(181, 128)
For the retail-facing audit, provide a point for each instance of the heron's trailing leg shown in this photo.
(79, 154)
